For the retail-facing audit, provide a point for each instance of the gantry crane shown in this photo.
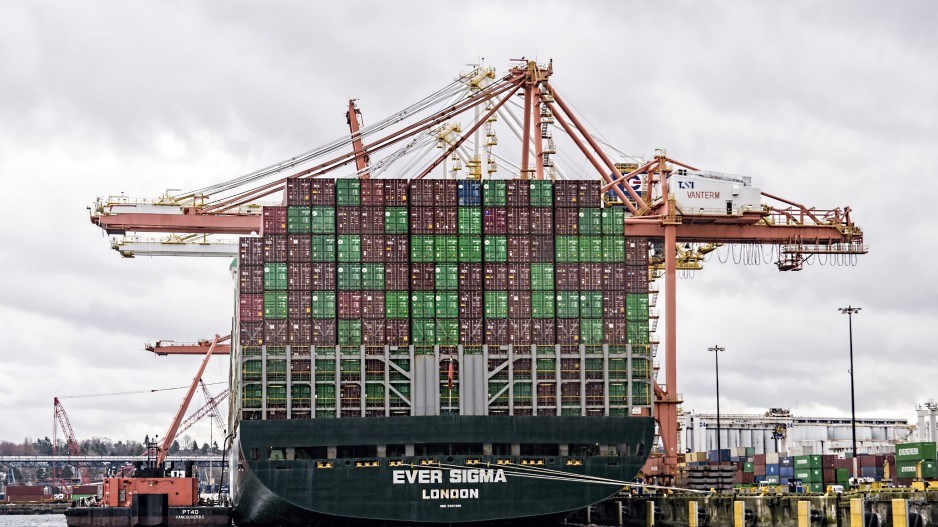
(70, 442)
(653, 212)
(209, 408)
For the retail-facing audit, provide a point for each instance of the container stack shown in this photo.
(916, 460)
(354, 282)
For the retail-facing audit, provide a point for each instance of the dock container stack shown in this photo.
(916, 460)
(383, 297)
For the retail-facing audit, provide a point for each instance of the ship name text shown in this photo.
(471, 475)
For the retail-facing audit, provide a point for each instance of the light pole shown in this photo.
(849, 311)
(716, 349)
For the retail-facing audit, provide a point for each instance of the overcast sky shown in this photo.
(828, 104)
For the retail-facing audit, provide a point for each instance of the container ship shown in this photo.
(438, 351)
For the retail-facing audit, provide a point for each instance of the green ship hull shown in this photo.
(449, 469)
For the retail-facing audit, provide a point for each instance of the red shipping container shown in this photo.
(423, 276)
(614, 276)
(348, 220)
(372, 192)
(542, 331)
(251, 279)
(395, 192)
(519, 277)
(470, 304)
(252, 333)
(829, 475)
(519, 221)
(496, 277)
(613, 304)
(565, 193)
(323, 332)
(396, 277)
(299, 248)
(591, 277)
(322, 276)
(567, 221)
(519, 331)
(827, 461)
(567, 277)
(444, 192)
(396, 248)
(373, 248)
(470, 331)
(322, 192)
(298, 191)
(275, 248)
(542, 220)
(421, 220)
(519, 304)
(299, 276)
(275, 333)
(372, 219)
(251, 307)
(421, 193)
(496, 331)
(397, 332)
(519, 248)
(494, 220)
(636, 279)
(470, 277)
(300, 332)
(251, 251)
(373, 304)
(568, 330)
(298, 304)
(588, 193)
(542, 248)
(636, 251)
(445, 219)
(373, 331)
(759, 459)
(517, 193)
(350, 304)
(275, 220)
(615, 330)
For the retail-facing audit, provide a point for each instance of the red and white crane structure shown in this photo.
(795, 232)
(61, 417)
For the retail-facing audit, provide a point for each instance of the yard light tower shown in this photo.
(850, 311)
(716, 349)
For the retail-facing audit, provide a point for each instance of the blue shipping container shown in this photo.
(771, 470)
(782, 480)
(786, 472)
(469, 193)
(786, 461)
(872, 472)
(758, 479)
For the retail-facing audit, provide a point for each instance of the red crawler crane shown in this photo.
(70, 442)
(799, 231)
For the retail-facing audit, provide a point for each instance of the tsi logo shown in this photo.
(685, 184)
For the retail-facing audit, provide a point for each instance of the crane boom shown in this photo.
(168, 347)
(70, 442)
(208, 408)
(362, 160)
(174, 425)
(208, 399)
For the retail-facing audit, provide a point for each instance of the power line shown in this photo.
(153, 390)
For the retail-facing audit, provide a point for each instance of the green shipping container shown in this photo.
(908, 469)
(636, 306)
(542, 304)
(395, 220)
(323, 220)
(567, 248)
(542, 277)
(542, 193)
(276, 394)
(347, 193)
(613, 220)
(252, 396)
(801, 462)
(815, 461)
(470, 249)
(494, 193)
(422, 248)
(591, 304)
(641, 369)
(915, 451)
(641, 393)
(325, 370)
(814, 488)
(447, 276)
(373, 276)
(424, 331)
(298, 220)
(469, 220)
(618, 370)
(495, 248)
(349, 276)
(496, 304)
(422, 303)
(349, 247)
(447, 331)
(590, 221)
(350, 333)
(446, 249)
(374, 393)
(771, 479)
(613, 249)
(322, 248)
(568, 304)
(748, 466)
(447, 304)
(275, 277)
(323, 304)
(637, 332)
(275, 305)
(396, 304)
(300, 395)
(591, 331)
(843, 476)
(591, 249)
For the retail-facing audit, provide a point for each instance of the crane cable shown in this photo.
(153, 390)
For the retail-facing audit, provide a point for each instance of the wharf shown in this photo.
(10, 509)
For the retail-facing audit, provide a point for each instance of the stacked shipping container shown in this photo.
(354, 278)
